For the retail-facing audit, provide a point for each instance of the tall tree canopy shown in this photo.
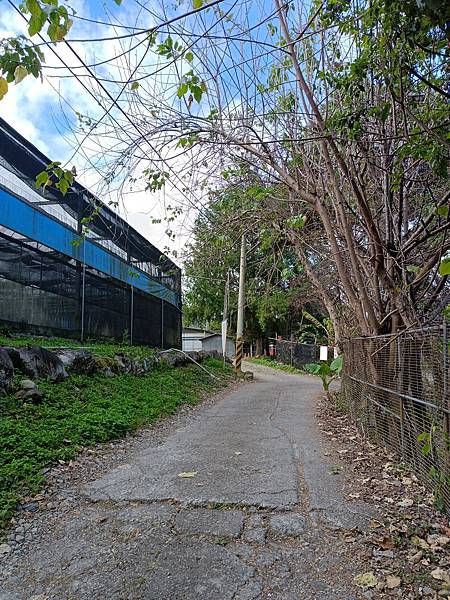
(339, 110)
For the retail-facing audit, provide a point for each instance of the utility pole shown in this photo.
(226, 299)
(241, 306)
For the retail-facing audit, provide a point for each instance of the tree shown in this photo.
(274, 280)
(339, 109)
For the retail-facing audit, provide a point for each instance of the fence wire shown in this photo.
(44, 292)
(297, 354)
(397, 391)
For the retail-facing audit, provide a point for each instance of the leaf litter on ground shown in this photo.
(409, 543)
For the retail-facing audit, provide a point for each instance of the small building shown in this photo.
(214, 342)
(192, 337)
(200, 338)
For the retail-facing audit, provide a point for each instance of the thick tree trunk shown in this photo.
(259, 351)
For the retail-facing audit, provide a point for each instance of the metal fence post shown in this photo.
(83, 288)
(162, 323)
(446, 399)
(402, 406)
(131, 314)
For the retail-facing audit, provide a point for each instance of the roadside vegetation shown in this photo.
(274, 364)
(102, 348)
(85, 410)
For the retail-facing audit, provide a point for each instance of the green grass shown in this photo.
(97, 347)
(84, 410)
(270, 362)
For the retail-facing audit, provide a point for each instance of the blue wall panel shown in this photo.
(23, 218)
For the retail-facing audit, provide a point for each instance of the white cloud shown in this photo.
(44, 112)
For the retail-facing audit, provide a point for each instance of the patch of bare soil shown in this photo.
(407, 550)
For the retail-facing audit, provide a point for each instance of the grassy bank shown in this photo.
(270, 362)
(84, 410)
(94, 346)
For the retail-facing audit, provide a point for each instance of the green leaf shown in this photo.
(182, 90)
(444, 267)
(297, 222)
(337, 364)
(135, 85)
(68, 176)
(20, 73)
(189, 56)
(33, 7)
(197, 3)
(36, 23)
(442, 211)
(314, 369)
(63, 186)
(42, 179)
(118, 2)
(197, 92)
(412, 268)
(426, 449)
(3, 87)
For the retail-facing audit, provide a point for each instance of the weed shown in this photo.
(220, 541)
(100, 347)
(270, 362)
(326, 372)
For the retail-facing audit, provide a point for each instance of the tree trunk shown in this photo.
(259, 346)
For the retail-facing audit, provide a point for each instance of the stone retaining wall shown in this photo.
(36, 362)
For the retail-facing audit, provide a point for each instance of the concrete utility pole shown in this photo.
(241, 306)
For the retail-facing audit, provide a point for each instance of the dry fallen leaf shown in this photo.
(374, 524)
(386, 543)
(393, 582)
(406, 503)
(441, 575)
(438, 540)
(417, 541)
(365, 580)
(187, 474)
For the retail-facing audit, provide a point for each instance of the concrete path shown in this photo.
(261, 517)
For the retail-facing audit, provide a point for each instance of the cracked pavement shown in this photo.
(263, 518)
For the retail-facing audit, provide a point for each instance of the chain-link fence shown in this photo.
(298, 355)
(397, 391)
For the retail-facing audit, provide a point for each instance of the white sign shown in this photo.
(323, 352)
(224, 337)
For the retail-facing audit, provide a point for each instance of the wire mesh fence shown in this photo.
(396, 388)
(297, 354)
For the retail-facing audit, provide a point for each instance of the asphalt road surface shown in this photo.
(258, 512)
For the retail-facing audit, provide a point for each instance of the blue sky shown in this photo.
(45, 112)
(34, 108)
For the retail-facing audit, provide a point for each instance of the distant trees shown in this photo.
(277, 289)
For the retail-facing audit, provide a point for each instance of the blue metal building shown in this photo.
(111, 283)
